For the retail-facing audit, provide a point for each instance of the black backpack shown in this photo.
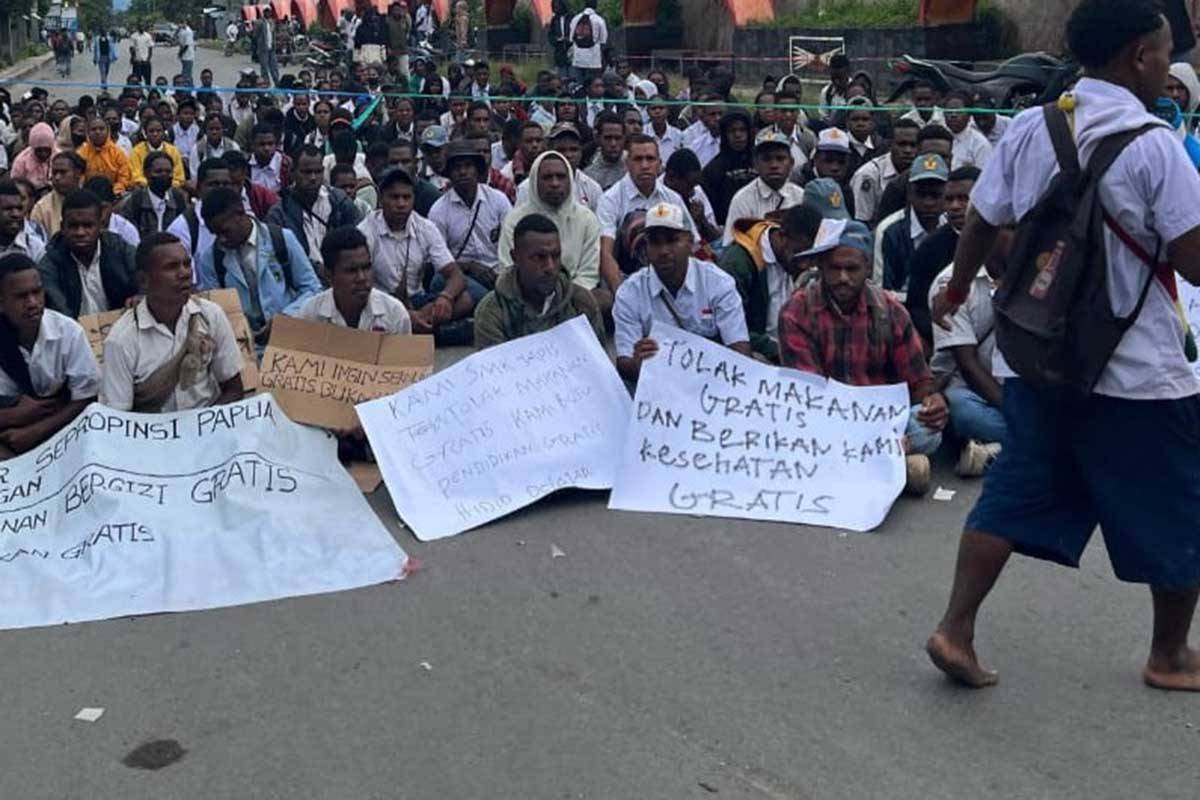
(584, 36)
(1054, 319)
(281, 255)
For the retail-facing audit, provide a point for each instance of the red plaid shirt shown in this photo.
(497, 181)
(874, 344)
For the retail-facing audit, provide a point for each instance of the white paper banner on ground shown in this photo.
(124, 513)
(717, 434)
(500, 429)
(1189, 298)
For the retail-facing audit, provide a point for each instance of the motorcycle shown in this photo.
(1020, 82)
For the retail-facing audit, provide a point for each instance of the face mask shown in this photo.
(159, 185)
(78, 139)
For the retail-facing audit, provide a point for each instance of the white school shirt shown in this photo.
(125, 229)
(138, 344)
(360, 165)
(1152, 190)
(702, 142)
(971, 149)
(402, 256)
(707, 304)
(383, 313)
(755, 200)
(590, 57)
(973, 324)
(185, 140)
(779, 285)
(211, 152)
(1002, 123)
(267, 177)
(868, 184)
(186, 40)
(141, 43)
(26, 243)
(671, 140)
(499, 158)
(936, 118)
(61, 355)
(314, 222)
(623, 197)
(453, 218)
(93, 299)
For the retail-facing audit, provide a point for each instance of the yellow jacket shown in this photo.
(138, 156)
(108, 161)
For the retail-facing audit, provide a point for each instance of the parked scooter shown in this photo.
(1020, 82)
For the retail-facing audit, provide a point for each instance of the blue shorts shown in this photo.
(1130, 466)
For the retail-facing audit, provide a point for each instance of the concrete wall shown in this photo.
(1040, 24)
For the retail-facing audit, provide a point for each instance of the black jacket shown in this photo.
(61, 281)
(137, 208)
(288, 213)
(295, 130)
(933, 256)
(729, 170)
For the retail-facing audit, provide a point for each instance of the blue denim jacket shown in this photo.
(273, 292)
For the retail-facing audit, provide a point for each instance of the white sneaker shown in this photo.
(976, 458)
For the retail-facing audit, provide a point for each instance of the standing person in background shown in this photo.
(264, 45)
(104, 55)
(371, 36)
(231, 36)
(64, 51)
(462, 30)
(399, 26)
(589, 36)
(186, 39)
(141, 49)
(425, 20)
(559, 37)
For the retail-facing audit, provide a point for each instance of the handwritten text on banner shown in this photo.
(718, 434)
(500, 429)
(124, 513)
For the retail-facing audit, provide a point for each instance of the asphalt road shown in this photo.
(165, 61)
(663, 657)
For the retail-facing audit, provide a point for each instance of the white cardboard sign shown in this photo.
(499, 430)
(715, 433)
(123, 513)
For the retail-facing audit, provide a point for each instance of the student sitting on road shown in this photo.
(310, 209)
(154, 206)
(66, 174)
(851, 331)
(263, 262)
(351, 301)
(402, 243)
(763, 262)
(103, 157)
(48, 373)
(901, 234)
(154, 143)
(172, 351)
(86, 269)
(537, 293)
(677, 289)
(963, 361)
(552, 195)
(771, 191)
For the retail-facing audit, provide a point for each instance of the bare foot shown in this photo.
(1180, 673)
(958, 662)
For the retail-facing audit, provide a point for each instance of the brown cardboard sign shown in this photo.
(97, 326)
(318, 371)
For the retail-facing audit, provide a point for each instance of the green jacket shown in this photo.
(502, 315)
(743, 259)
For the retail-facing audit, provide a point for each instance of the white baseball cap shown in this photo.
(665, 215)
(834, 140)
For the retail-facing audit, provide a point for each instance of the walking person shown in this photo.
(264, 45)
(1124, 454)
(141, 50)
(64, 51)
(186, 39)
(104, 55)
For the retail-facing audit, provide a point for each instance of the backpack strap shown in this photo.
(193, 223)
(1061, 136)
(281, 255)
(1112, 146)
